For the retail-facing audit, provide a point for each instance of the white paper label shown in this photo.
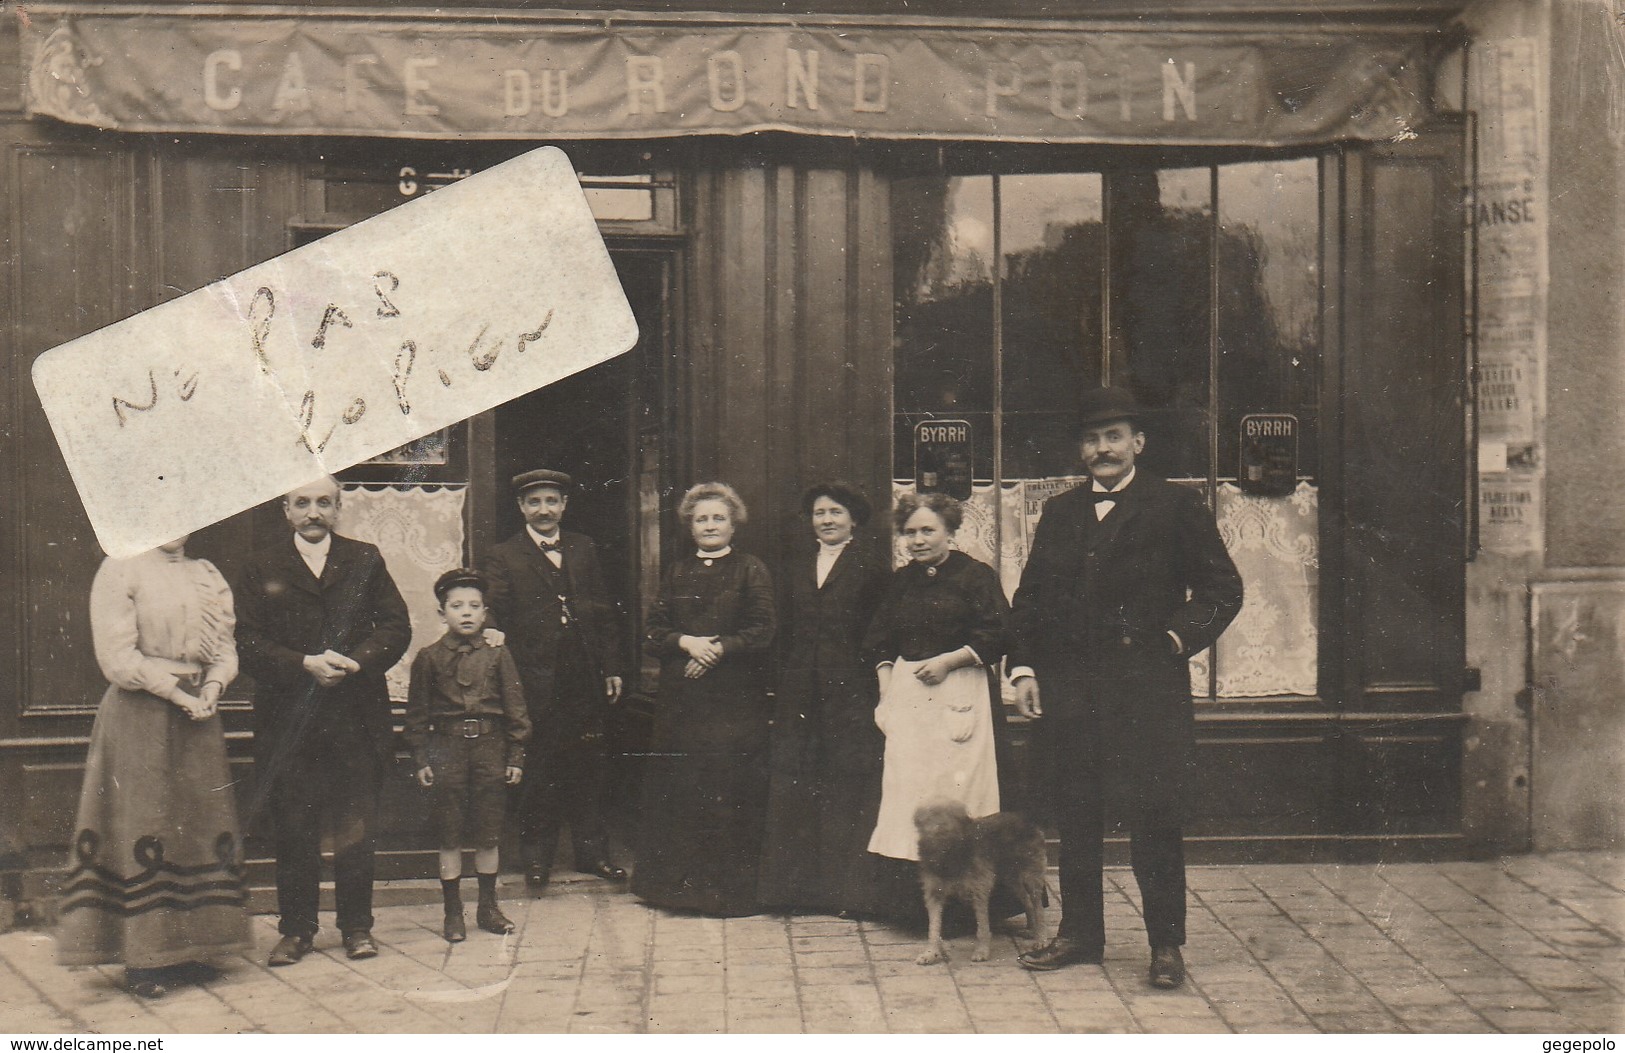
(335, 352)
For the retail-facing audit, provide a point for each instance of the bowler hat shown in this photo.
(1104, 405)
(525, 481)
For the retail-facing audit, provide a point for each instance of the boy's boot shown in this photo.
(455, 931)
(488, 915)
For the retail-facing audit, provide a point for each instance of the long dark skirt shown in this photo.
(156, 875)
(823, 798)
(704, 795)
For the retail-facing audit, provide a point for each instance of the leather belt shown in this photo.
(467, 727)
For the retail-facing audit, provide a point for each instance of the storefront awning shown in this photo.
(269, 71)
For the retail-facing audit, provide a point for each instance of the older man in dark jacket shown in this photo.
(319, 623)
(1126, 580)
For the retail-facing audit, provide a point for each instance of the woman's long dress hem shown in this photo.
(155, 876)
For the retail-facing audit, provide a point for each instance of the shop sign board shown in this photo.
(1269, 454)
(320, 72)
(942, 458)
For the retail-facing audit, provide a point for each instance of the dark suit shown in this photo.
(321, 750)
(564, 633)
(1092, 616)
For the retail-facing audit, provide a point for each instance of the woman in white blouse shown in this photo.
(155, 881)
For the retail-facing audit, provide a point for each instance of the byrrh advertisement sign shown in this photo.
(303, 72)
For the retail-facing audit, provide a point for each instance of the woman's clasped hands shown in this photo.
(704, 652)
(201, 706)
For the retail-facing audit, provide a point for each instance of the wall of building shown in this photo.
(1506, 90)
(789, 329)
(1585, 426)
(1545, 750)
(1579, 599)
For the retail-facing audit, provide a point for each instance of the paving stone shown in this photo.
(750, 955)
(834, 960)
(1527, 945)
(1448, 1023)
(1343, 1023)
(781, 990)
(843, 975)
(768, 973)
(1527, 1021)
(766, 1025)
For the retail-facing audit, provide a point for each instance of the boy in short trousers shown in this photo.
(467, 726)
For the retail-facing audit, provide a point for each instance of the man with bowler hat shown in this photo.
(319, 623)
(548, 597)
(1127, 578)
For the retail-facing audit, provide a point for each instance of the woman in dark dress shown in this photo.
(936, 644)
(825, 760)
(705, 785)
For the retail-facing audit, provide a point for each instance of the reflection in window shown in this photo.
(943, 282)
(1052, 240)
(1198, 288)
(1269, 302)
(1161, 223)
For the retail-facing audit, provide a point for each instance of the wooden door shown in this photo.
(1397, 535)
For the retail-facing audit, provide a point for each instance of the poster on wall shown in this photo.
(1509, 220)
(1509, 513)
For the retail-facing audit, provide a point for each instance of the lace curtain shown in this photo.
(1272, 648)
(419, 529)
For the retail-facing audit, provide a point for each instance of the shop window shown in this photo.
(1198, 288)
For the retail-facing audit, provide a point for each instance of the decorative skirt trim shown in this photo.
(95, 889)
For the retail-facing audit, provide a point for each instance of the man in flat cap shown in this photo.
(548, 597)
(1127, 578)
(319, 623)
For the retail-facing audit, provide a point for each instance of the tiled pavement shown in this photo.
(1524, 944)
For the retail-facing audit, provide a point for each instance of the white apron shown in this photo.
(939, 744)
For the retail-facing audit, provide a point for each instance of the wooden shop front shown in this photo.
(832, 228)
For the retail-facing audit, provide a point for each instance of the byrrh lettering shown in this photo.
(1266, 429)
(944, 433)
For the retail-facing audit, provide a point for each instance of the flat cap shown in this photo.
(540, 477)
(1103, 405)
(461, 578)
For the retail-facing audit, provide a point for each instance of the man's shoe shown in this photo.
(359, 945)
(604, 869)
(288, 950)
(1059, 953)
(536, 876)
(489, 917)
(1167, 967)
(454, 930)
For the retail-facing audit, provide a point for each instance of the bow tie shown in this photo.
(1107, 495)
(549, 546)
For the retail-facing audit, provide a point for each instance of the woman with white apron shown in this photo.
(936, 641)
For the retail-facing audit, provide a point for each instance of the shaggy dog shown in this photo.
(964, 857)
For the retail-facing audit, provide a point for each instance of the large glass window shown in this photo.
(1198, 288)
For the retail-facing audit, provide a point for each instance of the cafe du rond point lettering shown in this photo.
(598, 79)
